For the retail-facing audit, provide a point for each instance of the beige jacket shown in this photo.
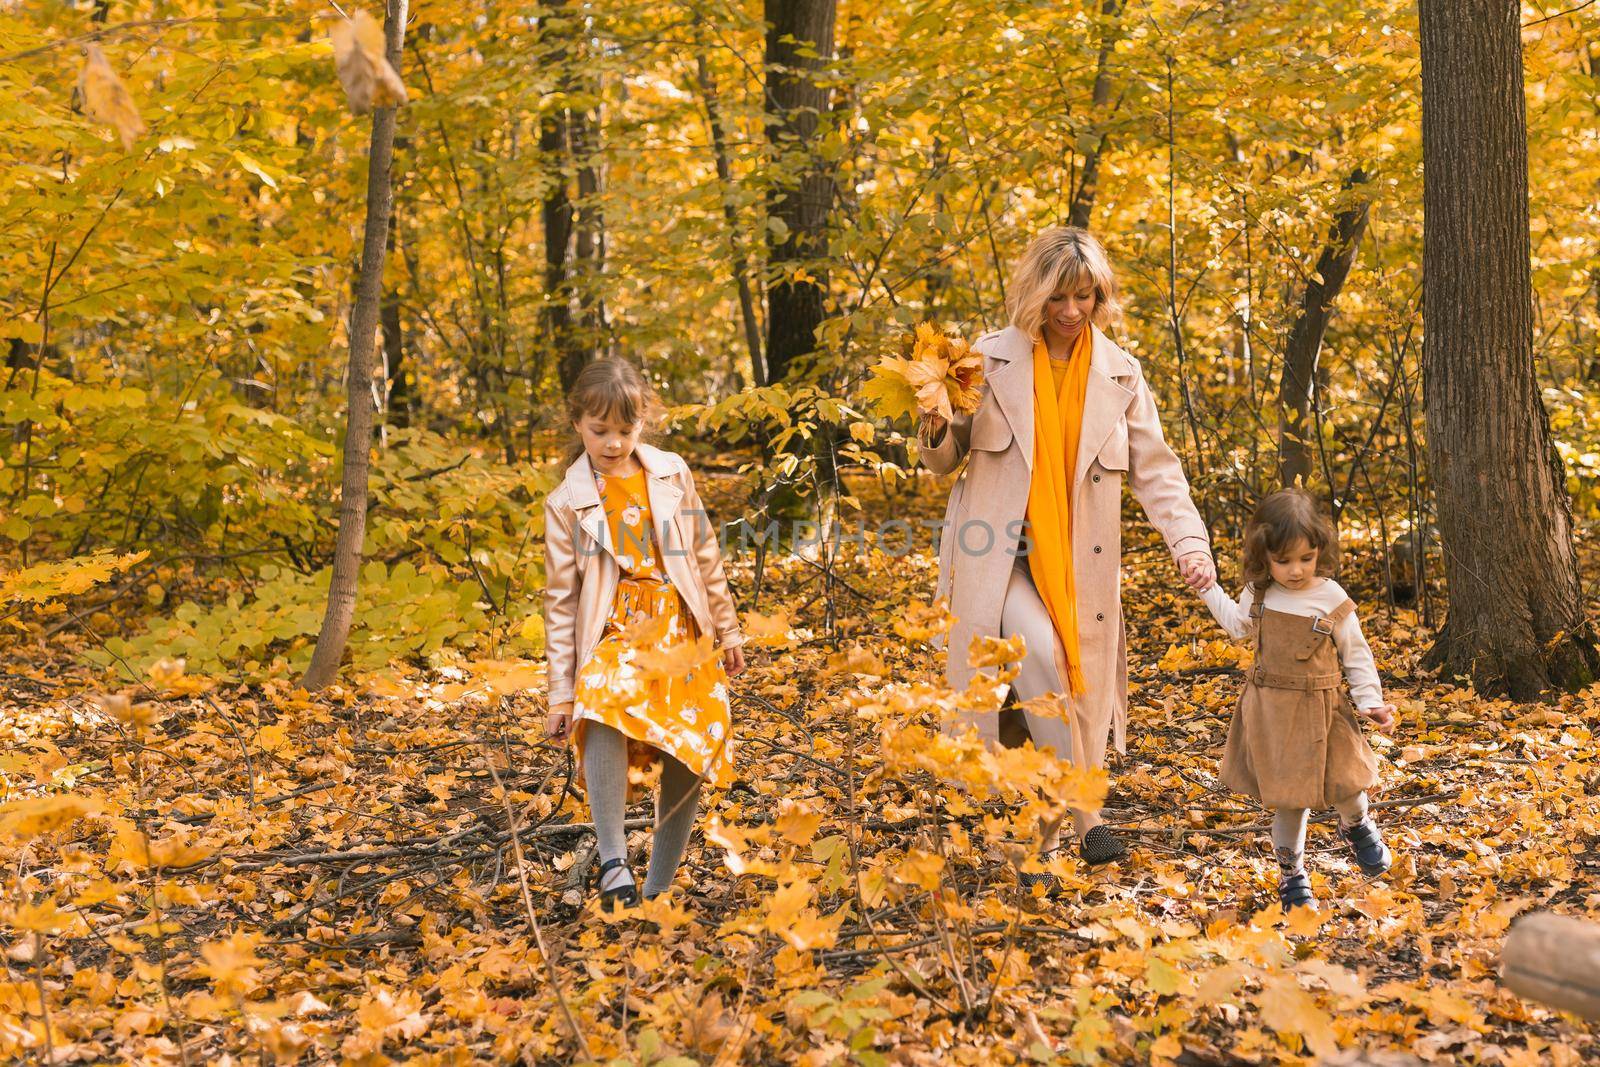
(581, 570)
(1120, 438)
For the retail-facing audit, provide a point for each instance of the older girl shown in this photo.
(633, 571)
(1033, 529)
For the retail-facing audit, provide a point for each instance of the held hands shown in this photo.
(1198, 569)
(1383, 717)
(558, 724)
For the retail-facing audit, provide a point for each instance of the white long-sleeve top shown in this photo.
(1318, 599)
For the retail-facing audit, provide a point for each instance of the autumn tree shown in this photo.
(1300, 358)
(1516, 621)
(364, 316)
(799, 45)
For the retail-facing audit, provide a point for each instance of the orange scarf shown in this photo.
(1057, 420)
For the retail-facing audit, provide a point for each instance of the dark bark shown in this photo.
(401, 397)
(556, 213)
(1088, 182)
(590, 244)
(1300, 366)
(353, 492)
(1516, 624)
(799, 44)
(736, 256)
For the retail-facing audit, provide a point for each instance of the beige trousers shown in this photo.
(1024, 613)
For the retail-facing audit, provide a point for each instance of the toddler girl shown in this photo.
(634, 578)
(1295, 742)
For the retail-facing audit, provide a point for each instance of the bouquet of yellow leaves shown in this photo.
(936, 373)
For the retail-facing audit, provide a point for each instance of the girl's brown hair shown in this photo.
(610, 388)
(1279, 521)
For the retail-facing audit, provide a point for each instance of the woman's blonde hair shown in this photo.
(1287, 516)
(610, 388)
(1055, 257)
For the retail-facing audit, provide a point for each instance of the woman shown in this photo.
(1065, 415)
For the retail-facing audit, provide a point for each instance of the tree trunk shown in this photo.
(1516, 623)
(591, 233)
(799, 43)
(719, 148)
(556, 213)
(1300, 368)
(1083, 196)
(341, 610)
(400, 395)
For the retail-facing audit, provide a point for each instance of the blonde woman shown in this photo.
(1032, 541)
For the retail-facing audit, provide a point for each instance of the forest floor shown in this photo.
(210, 872)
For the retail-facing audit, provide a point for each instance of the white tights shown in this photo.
(1289, 830)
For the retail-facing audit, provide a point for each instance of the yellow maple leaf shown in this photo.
(106, 99)
(766, 630)
(920, 621)
(857, 660)
(359, 55)
(180, 850)
(811, 930)
(797, 822)
(936, 373)
(232, 964)
(919, 868)
(30, 817)
(137, 717)
(678, 659)
(1288, 1009)
(504, 677)
(42, 917)
(989, 651)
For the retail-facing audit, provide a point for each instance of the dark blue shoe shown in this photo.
(1294, 891)
(1372, 855)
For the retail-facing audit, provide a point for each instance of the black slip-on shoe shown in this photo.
(1100, 845)
(618, 897)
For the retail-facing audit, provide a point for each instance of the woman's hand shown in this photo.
(733, 661)
(558, 724)
(931, 427)
(1383, 717)
(1198, 569)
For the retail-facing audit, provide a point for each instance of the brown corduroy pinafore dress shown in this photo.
(1295, 741)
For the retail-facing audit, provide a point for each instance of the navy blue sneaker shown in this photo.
(1372, 855)
(1294, 891)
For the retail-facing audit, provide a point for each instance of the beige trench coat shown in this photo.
(1120, 437)
(581, 569)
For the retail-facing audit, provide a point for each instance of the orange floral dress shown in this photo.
(652, 676)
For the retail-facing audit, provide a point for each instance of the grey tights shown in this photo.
(605, 775)
(1289, 831)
